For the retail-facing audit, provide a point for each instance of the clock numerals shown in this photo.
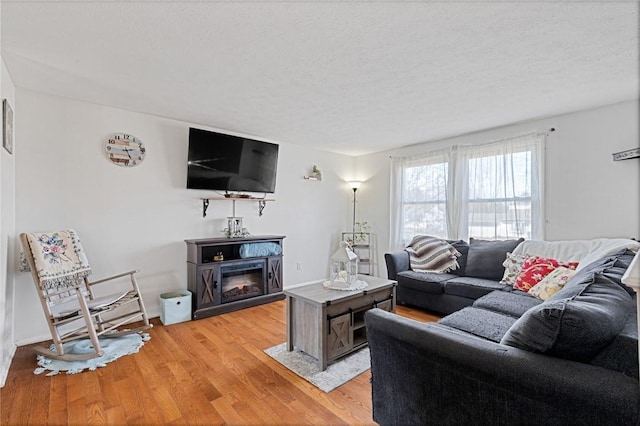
(125, 150)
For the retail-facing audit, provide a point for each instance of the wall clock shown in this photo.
(125, 150)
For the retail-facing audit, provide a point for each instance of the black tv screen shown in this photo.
(230, 163)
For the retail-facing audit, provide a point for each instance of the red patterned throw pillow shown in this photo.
(535, 268)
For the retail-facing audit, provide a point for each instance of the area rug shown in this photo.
(336, 374)
(113, 349)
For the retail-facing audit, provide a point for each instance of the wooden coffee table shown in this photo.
(328, 324)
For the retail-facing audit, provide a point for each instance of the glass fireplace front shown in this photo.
(242, 281)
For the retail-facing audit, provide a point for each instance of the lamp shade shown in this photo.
(354, 184)
(344, 267)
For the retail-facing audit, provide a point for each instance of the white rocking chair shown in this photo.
(60, 268)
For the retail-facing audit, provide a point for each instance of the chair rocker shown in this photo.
(59, 268)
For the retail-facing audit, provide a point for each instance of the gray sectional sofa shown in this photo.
(508, 358)
(480, 271)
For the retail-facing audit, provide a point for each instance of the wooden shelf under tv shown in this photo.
(262, 203)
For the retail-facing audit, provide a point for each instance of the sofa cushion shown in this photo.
(429, 282)
(575, 323)
(514, 303)
(472, 287)
(487, 324)
(612, 266)
(486, 257)
(463, 248)
(617, 265)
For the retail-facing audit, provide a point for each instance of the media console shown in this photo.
(219, 286)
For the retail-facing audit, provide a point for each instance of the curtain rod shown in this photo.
(546, 133)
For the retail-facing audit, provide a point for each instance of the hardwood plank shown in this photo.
(211, 371)
(115, 415)
(57, 414)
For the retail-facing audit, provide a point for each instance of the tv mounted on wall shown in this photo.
(230, 163)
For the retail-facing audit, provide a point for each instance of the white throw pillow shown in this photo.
(552, 283)
(512, 267)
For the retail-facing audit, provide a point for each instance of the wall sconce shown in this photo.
(316, 174)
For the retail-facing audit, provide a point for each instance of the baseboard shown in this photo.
(287, 287)
(33, 339)
(4, 369)
(47, 337)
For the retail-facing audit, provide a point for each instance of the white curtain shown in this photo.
(491, 191)
(396, 200)
(498, 190)
(418, 188)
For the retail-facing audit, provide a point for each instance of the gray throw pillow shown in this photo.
(485, 258)
(575, 323)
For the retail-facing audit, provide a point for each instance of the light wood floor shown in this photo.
(211, 371)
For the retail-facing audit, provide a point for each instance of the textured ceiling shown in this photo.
(349, 77)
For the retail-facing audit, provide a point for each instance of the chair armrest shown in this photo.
(124, 274)
(396, 262)
(425, 373)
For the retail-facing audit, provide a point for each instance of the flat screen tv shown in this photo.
(230, 163)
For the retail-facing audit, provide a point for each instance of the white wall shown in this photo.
(138, 218)
(7, 233)
(587, 194)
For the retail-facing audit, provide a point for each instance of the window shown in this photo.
(424, 209)
(490, 191)
(499, 202)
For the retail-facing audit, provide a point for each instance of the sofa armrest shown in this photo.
(425, 373)
(396, 262)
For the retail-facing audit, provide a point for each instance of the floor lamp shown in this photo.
(354, 184)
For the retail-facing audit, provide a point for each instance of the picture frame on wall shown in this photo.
(7, 126)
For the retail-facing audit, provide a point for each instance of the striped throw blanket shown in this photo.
(430, 254)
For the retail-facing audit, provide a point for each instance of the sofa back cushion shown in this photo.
(578, 321)
(485, 258)
(463, 248)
